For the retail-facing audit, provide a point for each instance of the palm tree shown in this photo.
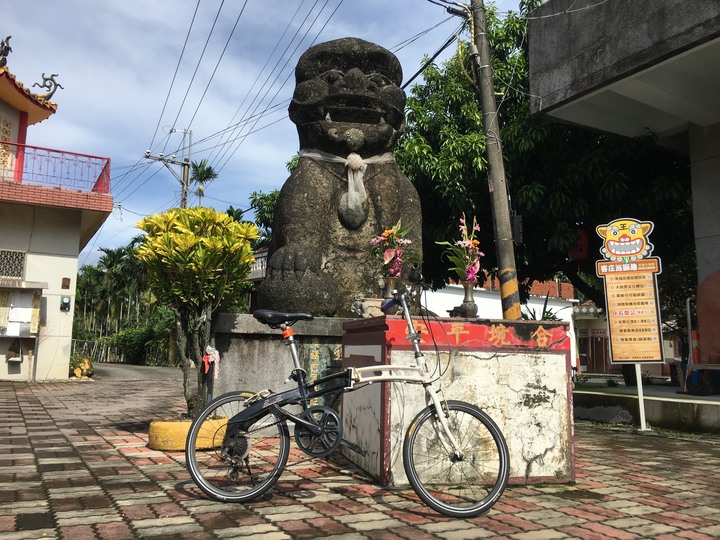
(201, 173)
(263, 204)
(90, 291)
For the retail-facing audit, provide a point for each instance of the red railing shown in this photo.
(54, 168)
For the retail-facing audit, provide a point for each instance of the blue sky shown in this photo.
(126, 85)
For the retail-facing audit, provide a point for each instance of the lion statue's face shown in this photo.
(347, 98)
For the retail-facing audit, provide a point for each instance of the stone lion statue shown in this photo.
(347, 188)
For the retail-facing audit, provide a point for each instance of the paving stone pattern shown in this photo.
(74, 465)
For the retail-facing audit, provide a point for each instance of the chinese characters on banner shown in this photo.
(630, 277)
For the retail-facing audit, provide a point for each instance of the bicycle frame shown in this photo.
(265, 402)
(455, 457)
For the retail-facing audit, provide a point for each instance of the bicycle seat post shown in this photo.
(288, 335)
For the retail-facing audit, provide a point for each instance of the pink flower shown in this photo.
(472, 270)
(388, 249)
(463, 254)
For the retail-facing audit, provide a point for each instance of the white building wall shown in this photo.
(50, 239)
(55, 340)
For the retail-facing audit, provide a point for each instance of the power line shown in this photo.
(432, 58)
(221, 155)
(288, 76)
(267, 61)
(400, 46)
(197, 66)
(177, 68)
(189, 86)
(249, 124)
(248, 133)
(568, 10)
(212, 76)
(135, 167)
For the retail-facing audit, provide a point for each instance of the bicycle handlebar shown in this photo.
(415, 275)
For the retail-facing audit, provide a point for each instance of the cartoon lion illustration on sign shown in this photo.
(625, 239)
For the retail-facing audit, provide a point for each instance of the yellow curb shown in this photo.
(170, 435)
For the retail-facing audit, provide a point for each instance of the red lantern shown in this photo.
(582, 246)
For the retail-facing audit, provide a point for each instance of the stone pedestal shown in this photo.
(253, 356)
(519, 372)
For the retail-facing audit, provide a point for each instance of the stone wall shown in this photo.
(517, 371)
(254, 357)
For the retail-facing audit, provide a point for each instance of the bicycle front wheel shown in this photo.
(459, 482)
(233, 465)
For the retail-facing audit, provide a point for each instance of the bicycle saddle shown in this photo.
(276, 318)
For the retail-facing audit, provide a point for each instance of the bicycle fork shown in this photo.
(447, 439)
(445, 435)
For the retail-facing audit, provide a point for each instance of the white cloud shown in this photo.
(116, 61)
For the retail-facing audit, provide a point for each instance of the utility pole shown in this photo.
(184, 176)
(507, 271)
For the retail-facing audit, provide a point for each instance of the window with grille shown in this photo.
(12, 263)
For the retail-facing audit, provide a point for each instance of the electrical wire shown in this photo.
(177, 68)
(245, 135)
(237, 146)
(449, 42)
(217, 64)
(568, 10)
(267, 61)
(248, 125)
(264, 89)
(268, 110)
(400, 46)
(167, 139)
(288, 57)
(137, 177)
(197, 66)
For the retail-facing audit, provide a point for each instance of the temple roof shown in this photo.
(15, 94)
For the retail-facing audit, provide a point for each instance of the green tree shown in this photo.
(88, 296)
(264, 206)
(236, 213)
(561, 178)
(201, 174)
(197, 260)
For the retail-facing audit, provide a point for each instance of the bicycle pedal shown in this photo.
(262, 394)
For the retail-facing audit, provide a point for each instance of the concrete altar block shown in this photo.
(254, 357)
(519, 372)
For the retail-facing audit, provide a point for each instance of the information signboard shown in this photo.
(632, 303)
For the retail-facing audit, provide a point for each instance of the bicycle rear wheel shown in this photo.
(231, 465)
(463, 484)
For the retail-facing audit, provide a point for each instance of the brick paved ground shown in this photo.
(74, 465)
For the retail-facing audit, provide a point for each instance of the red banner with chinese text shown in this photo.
(481, 335)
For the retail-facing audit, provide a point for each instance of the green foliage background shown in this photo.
(560, 178)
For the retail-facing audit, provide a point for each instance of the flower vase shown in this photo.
(468, 308)
(390, 283)
(468, 304)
